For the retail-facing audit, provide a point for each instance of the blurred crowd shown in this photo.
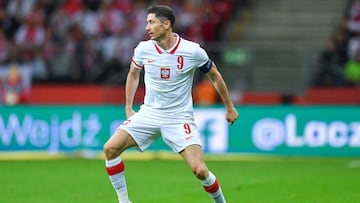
(88, 41)
(339, 62)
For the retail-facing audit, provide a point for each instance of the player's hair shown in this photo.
(163, 13)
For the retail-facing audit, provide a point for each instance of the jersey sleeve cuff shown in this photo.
(137, 65)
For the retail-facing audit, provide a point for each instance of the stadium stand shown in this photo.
(330, 96)
(280, 47)
(273, 98)
(281, 35)
(64, 94)
(284, 38)
(88, 43)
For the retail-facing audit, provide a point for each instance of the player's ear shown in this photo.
(167, 24)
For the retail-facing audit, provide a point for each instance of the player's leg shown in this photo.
(183, 137)
(139, 131)
(115, 167)
(193, 156)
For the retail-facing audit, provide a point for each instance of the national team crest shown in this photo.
(165, 73)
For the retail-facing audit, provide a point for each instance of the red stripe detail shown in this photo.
(137, 65)
(158, 49)
(212, 188)
(177, 45)
(116, 169)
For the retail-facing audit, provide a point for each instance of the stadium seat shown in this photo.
(261, 98)
(331, 96)
(334, 95)
(81, 94)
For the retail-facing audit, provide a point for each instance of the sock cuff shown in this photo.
(113, 162)
(117, 169)
(209, 180)
(212, 188)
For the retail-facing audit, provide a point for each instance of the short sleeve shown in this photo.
(137, 60)
(204, 63)
(201, 56)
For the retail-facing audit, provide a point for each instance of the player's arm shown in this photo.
(132, 83)
(217, 80)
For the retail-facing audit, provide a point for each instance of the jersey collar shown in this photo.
(172, 50)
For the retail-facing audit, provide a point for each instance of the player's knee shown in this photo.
(200, 171)
(110, 151)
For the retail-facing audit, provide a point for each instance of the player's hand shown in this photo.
(231, 115)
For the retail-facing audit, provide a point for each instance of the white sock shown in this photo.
(212, 187)
(116, 170)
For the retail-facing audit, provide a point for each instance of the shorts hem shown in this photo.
(137, 147)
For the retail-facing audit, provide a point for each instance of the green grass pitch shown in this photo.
(263, 180)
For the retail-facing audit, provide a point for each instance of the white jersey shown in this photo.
(169, 74)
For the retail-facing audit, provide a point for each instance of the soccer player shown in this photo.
(169, 62)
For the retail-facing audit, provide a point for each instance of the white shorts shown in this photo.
(146, 126)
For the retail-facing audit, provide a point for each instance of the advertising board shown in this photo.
(275, 130)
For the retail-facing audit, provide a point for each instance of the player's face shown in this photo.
(155, 28)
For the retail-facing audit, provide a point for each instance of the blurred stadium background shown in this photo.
(291, 67)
